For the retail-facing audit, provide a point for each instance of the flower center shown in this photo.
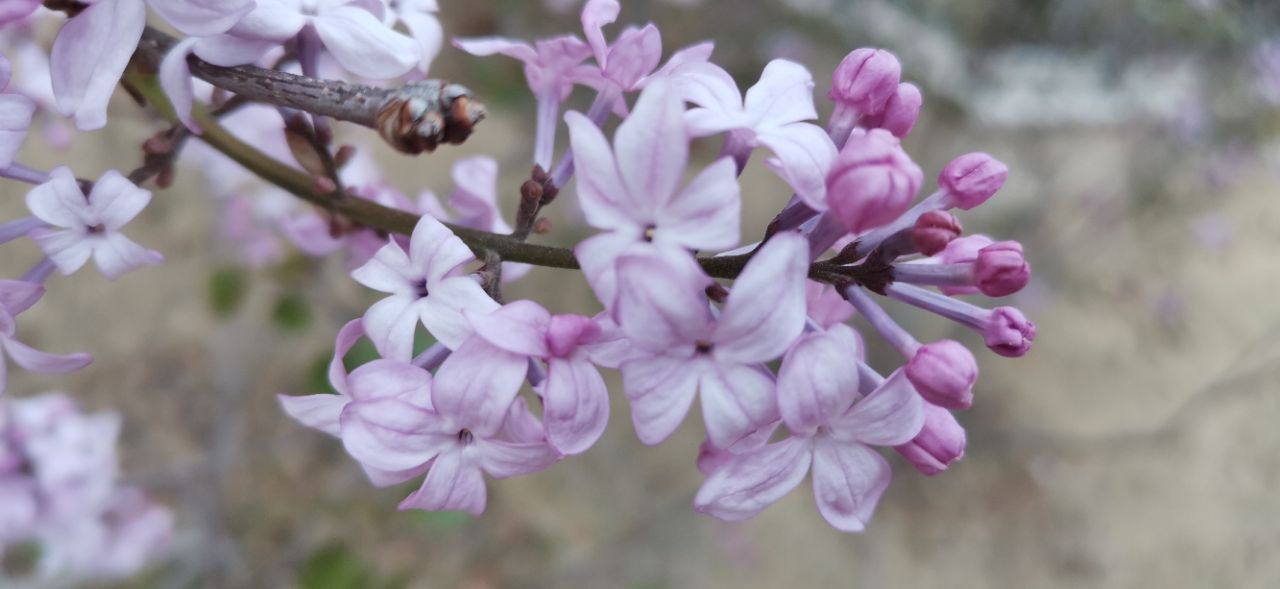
(420, 287)
(649, 231)
(97, 229)
(703, 347)
(465, 437)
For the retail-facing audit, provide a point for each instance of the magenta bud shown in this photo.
(963, 250)
(943, 372)
(1001, 269)
(934, 230)
(972, 178)
(900, 112)
(865, 80)
(1008, 332)
(872, 182)
(566, 332)
(940, 442)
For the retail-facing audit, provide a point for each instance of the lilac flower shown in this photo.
(632, 190)
(419, 17)
(469, 425)
(16, 10)
(15, 297)
(772, 115)
(940, 442)
(92, 49)
(428, 283)
(872, 182)
(623, 64)
(575, 400)
(681, 348)
(88, 226)
(832, 435)
(15, 117)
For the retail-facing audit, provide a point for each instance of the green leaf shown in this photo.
(291, 313)
(334, 567)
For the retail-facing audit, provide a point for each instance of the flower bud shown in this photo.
(943, 372)
(963, 250)
(865, 80)
(1000, 269)
(900, 111)
(872, 182)
(940, 442)
(934, 230)
(972, 178)
(1008, 332)
(566, 332)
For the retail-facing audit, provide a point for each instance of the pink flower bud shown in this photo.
(943, 372)
(900, 111)
(865, 80)
(934, 230)
(1000, 269)
(939, 443)
(963, 250)
(1008, 332)
(972, 178)
(566, 332)
(873, 181)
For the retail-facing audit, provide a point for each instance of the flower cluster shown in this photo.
(60, 491)
(779, 373)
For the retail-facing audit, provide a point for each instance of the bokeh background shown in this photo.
(1135, 446)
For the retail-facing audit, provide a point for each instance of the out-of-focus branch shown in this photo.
(413, 118)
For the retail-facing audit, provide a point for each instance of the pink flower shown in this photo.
(832, 435)
(16, 10)
(972, 178)
(900, 112)
(428, 283)
(772, 115)
(419, 16)
(872, 182)
(825, 305)
(90, 225)
(575, 399)
(866, 80)
(632, 190)
(470, 424)
(681, 348)
(1000, 269)
(934, 231)
(940, 442)
(944, 373)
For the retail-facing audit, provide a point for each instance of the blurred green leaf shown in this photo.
(227, 290)
(291, 313)
(439, 521)
(334, 567)
(361, 353)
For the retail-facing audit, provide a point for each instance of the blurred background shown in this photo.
(1135, 446)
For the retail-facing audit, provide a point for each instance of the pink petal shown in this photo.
(202, 18)
(116, 201)
(483, 46)
(15, 117)
(425, 29)
(662, 304)
(521, 426)
(599, 182)
(316, 411)
(363, 45)
(890, 415)
(803, 154)
(385, 379)
(228, 50)
(60, 202)
(706, 215)
(436, 251)
(575, 404)
(455, 483)
(599, 256)
(116, 255)
(477, 384)
(272, 21)
(612, 348)
(765, 310)
(17, 296)
(89, 56)
(736, 401)
(443, 311)
(476, 197)
(175, 79)
(652, 150)
(391, 324)
(519, 327)
(391, 271)
(752, 481)
(43, 362)
(595, 15)
(661, 390)
(347, 338)
(818, 378)
(784, 95)
(67, 249)
(506, 459)
(393, 435)
(848, 480)
(634, 55)
(389, 478)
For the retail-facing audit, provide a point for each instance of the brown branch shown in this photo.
(413, 118)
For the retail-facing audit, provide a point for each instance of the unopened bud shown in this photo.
(542, 226)
(973, 178)
(943, 372)
(940, 442)
(934, 230)
(324, 185)
(872, 182)
(1008, 332)
(865, 80)
(343, 156)
(900, 111)
(1001, 269)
